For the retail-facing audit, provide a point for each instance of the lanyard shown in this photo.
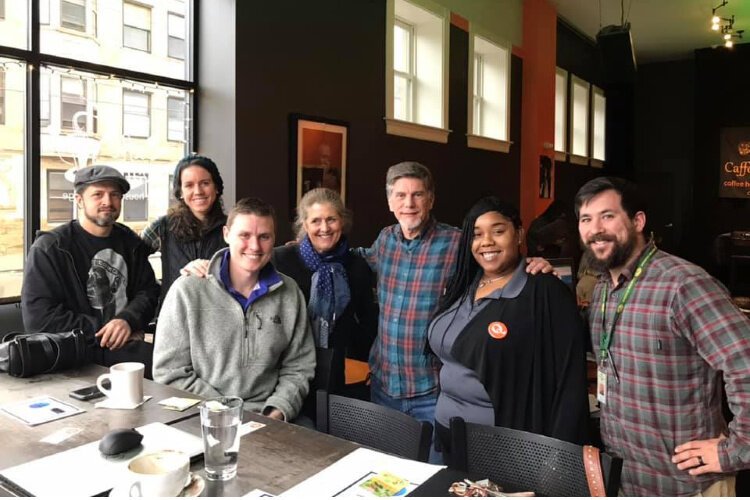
(606, 339)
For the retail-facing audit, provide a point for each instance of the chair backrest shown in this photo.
(322, 381)
(323, 369)
(523, 461)
(374, 426)
(10, 318)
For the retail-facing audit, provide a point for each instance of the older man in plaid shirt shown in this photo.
(664, 332)
(413, 260)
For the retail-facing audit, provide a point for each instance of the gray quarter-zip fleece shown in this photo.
(205, 344)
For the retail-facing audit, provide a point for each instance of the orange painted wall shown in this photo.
(538, 102)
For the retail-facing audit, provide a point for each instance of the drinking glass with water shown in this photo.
(220, 426)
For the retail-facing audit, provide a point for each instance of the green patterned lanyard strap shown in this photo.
(606, 339)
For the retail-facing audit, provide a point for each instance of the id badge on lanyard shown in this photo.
(601, 383)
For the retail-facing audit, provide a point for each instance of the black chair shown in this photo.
(321, 382)
(523, 461)
(374, 426)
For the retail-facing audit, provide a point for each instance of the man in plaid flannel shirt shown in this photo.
(664, 332)
(413, 260)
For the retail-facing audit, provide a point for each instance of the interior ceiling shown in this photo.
(661, 30)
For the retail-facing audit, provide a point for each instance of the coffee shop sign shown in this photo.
(738, 169)
(734, 151)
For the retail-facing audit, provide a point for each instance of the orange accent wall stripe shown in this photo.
(538, 100)
(459, 22)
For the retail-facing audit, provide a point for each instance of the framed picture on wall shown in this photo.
(319, 151)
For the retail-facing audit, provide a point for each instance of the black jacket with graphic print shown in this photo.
(53, 299)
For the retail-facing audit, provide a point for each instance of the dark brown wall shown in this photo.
(579, 55)
(665, 116)
(722, 99)
(681, 107)
(328, 60)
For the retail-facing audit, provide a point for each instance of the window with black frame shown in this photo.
(123, 101)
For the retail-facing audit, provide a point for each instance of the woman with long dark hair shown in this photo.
(512, 344)
(191, 232)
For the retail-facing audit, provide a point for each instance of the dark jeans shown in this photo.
(139, 351)
(443, 443)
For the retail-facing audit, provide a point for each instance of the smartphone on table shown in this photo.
(86, 393)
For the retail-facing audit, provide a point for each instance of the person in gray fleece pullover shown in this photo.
(241, 331)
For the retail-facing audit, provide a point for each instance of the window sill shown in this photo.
(79, 33)
(597, 163)
(488, 143)
(561, 156)
(579, 160)
(10, 300)
(416, 130)
(146, 50)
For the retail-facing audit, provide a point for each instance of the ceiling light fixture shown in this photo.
(722, 4)
(728, 42)
(725, 25)
(728, 23)
(716, 20)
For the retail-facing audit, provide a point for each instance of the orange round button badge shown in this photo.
(497, 330)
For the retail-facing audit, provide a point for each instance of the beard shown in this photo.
(103, 219)
(416, 223)
(618, 257)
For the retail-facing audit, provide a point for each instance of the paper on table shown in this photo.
(40, 410)
(87, 472)
(250, 426)
(256, 493)
(344, 477)
(114, 405)
(61, 435)
(178, 404)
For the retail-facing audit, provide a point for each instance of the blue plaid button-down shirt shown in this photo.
(412, 275)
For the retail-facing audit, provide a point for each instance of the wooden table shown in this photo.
(20, 442)
(273, 458)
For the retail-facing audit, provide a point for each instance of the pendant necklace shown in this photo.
(483, 283)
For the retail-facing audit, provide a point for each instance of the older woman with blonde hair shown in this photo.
(336, 283)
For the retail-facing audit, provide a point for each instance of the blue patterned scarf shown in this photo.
(329, 291)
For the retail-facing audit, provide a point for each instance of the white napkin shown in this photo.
(113, 405)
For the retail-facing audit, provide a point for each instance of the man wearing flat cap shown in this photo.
(93, 274)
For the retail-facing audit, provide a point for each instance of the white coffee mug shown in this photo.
(159, 474)
(127, 383)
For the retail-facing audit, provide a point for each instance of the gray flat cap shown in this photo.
(100, 173)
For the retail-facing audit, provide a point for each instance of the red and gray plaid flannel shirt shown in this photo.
(677, 334)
